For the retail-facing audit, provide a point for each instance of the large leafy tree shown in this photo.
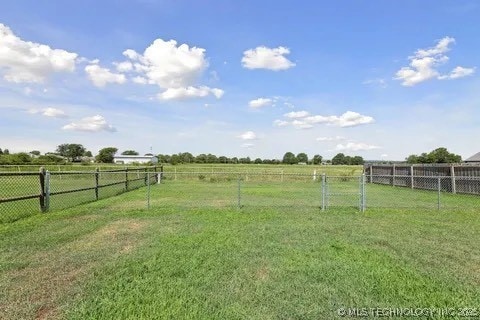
(439, 155)
(302, 157)
(71, 151)
(187, 157)
(289, 158)
(339, 159)
(317, 159)
(106, 155)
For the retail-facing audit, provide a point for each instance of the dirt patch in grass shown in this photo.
(52, 277)
(263, 273)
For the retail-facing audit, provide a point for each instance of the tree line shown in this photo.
(74, 152)
(439, 155)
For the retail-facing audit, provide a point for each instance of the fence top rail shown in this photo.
(71, 172)
(254, 174)
(389, 176)
(26, 173)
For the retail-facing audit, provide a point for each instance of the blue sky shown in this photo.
(380, 79)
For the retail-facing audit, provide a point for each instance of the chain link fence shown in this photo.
(202, 189)
(23, 194)
(438, 192)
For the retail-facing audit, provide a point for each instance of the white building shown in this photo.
(134, 159)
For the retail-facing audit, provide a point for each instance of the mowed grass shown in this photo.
(114, 259)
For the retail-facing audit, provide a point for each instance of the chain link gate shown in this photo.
(343, 191)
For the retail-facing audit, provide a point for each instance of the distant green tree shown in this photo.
(222, 159)
(130, 153)
(246, 160)
(71, 151)
(357, 160)
(302, 157)
(175, 159)
(289, 158)
(339, 159)
(1, 151)
(317, 159)
(6, 151)
(35, 152)
(106, 155)
(257, 161)
(439, 155)
(187, 157)
(88, 154)
(201, 158)
(211, 158)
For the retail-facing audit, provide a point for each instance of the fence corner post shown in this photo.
(452, 174)
(42, 197)
(363, 191)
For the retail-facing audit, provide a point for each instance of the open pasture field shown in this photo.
(217, 167)
(114, 259)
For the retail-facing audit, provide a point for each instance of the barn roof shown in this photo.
(474, 158)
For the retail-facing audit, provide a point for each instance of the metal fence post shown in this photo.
(126, 179)
(148, 189)
(363, 192)
(47, 191)
(239, 194)
(42, 189)
(324, 181)
(439, 187)
(146, 175)
(97, 175)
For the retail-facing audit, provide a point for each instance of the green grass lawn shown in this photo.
(114, 259)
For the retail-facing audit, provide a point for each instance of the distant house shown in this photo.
(134, 159)
(473, 159)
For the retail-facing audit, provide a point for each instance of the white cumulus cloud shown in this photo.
(49, 112)
(459, 72)
(267, 58)
(281, 123)
(103, 76)
(355, 146)
(336, 138)
(248, 135)
(425, 62)
(25, 61)
(260, 102)
(296, 114)
(125, 66)
(90, 124)
(303, 120)
(174, 68)
(189, 92)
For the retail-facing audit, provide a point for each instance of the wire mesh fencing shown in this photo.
(233, 189)
(437, 192)
(23, 194)
(201, 189)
